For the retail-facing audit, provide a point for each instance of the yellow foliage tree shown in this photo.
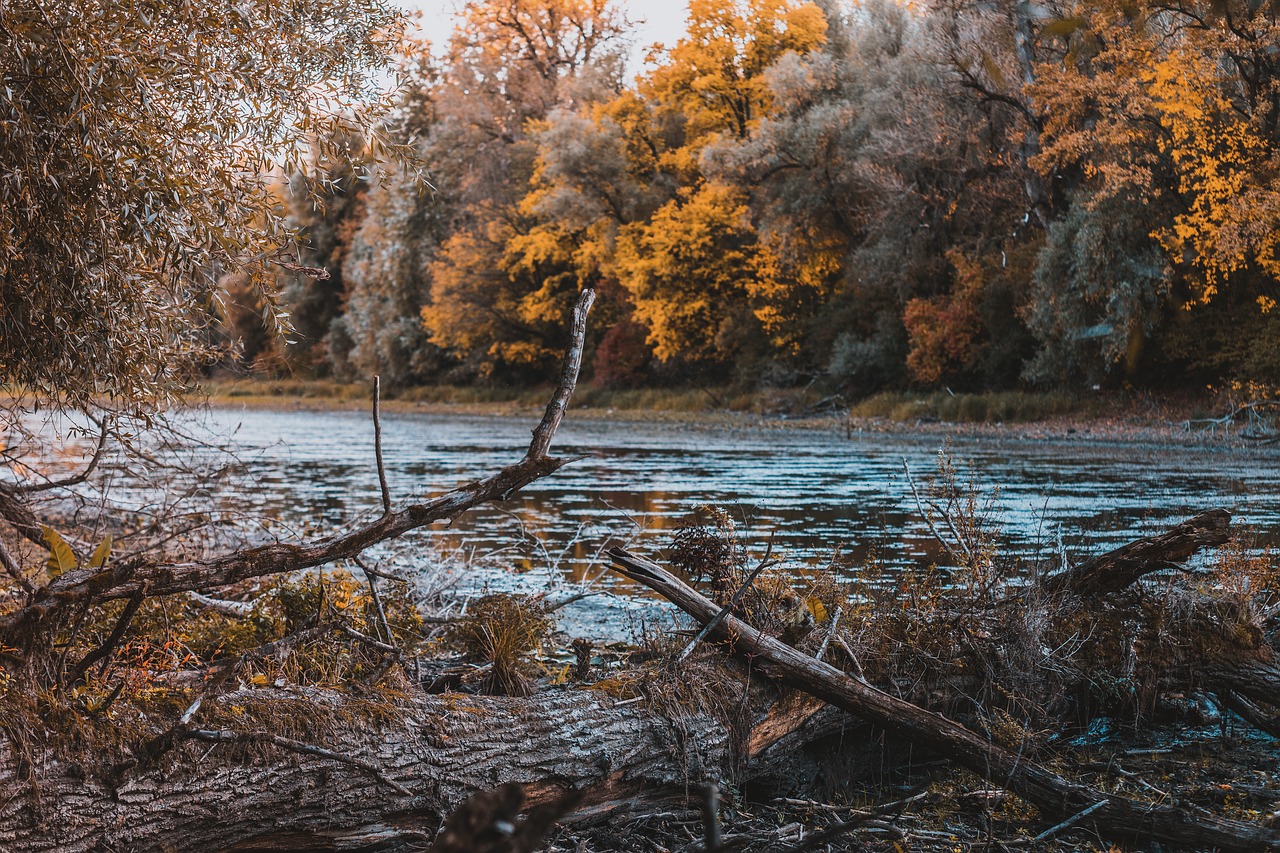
(625, 182)
(1177, 103)
(688, 268)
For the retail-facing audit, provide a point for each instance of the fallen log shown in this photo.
(1124, 566)
(1118, 818)
(431, 754)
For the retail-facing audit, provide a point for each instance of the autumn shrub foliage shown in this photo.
(860, 196)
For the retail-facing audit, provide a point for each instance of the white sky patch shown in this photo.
(654, 21)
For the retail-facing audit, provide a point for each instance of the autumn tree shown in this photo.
(498, 288)
(1170, 112)
(634, 202)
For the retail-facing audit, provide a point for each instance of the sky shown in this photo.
(656, 21)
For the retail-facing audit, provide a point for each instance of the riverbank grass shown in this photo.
(989, 407)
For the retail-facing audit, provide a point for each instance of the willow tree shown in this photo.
(138, 143)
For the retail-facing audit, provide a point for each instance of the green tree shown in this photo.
(138, 141)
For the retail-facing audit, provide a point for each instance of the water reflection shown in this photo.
(813, 492)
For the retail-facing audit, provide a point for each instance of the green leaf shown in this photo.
(100, 554)
(61, 557)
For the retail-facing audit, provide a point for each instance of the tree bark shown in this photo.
(1123, 566)
(441, 749)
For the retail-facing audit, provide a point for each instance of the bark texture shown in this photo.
(442, 750)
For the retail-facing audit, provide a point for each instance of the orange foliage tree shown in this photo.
(1177, 104)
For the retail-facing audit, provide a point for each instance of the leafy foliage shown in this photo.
(138, 139)
(793, 192)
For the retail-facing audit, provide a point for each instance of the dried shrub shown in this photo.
(503, 630)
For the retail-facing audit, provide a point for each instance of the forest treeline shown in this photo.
(941, 193)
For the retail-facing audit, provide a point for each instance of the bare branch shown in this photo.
(559, 403)
(125, 578)
(377, 445)
(235, 609)
(377, 599)
(75, 479)
(1052, 793)
(103, 652)
(13, 570)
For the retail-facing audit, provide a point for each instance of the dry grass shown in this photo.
(990, 407)
(503, 631)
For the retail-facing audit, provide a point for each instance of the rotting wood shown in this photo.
(1123, 566)
(1118, 818)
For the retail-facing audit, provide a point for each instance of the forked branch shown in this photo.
(128, 577)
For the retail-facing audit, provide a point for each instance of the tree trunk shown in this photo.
(441, 749)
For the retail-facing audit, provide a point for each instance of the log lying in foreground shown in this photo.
(621, 757)
(1115, 817)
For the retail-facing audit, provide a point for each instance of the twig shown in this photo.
(13, 570)
(831, 630)
(103, 652)
(1069, 822)
(724, 611)
(235, 609)
(928, 520)
(377, 599)
(369, 641)
(377, 445)
(222, 670)
(225, 736)
(711, 817)
(379, 573)
(74, 479)
(567, 600)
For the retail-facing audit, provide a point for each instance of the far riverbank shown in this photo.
(1108, 417)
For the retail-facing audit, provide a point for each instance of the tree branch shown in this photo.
(126, 578)
(377, 445)
(75, 479)
(1118, 817)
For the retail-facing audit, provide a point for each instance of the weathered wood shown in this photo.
(1122, 567)
(442, 750)
(619, 756)
(1118, 818)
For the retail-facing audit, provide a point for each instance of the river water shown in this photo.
(811, 491)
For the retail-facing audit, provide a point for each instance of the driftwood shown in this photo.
(1120, 568)
(1116, 817)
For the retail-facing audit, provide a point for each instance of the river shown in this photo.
(810, 491)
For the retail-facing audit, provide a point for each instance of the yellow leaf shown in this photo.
(817, 608)
(61, 557)
(100, 554)
(1063, 27)
(258, 680)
